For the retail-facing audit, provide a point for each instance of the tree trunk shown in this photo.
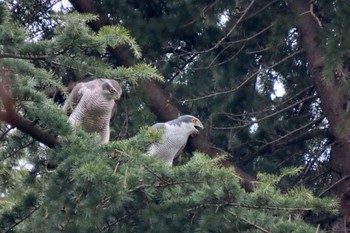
(333, 102)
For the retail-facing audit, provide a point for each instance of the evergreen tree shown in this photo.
(220, 61)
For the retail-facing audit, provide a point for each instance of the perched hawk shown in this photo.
(92, 104)
(174, 138)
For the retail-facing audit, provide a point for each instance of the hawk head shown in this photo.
(188, 122)
(111, 89)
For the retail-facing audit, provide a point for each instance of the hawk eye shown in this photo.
(194, 121)
(111, 90)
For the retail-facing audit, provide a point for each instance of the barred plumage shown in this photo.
(92, 105)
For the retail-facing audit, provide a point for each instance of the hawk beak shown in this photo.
(117, 97)
(199, 126)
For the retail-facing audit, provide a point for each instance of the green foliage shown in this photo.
(68, 52)
(230, 86)
(117, 35)
(338, 43)
(32, 72)
(11, 33)
(105, 188)
(114, 187)
(139, 72)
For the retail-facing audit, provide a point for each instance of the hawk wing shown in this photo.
(158, 126)
(166, 140)
(179, 153)
(76, 94)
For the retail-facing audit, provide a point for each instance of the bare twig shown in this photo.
(245, 81)
(211, 65)
(318, 228)
(282, 140)
(111, 224)
(6, 131)
(334, 184)
(253, 225)
(261, 9)
(180, 69)
(231, 30)
(269, 115)
(22, 219)
(268, 108)
(249, 38)
(312, 13)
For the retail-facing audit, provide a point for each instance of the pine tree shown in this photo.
(220, 61)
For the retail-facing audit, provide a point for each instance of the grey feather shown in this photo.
(174, 138)
(158, 126)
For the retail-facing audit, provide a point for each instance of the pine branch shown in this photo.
(163, 182)
(12, 117)
(120, 53)
(242, 205)
(252, 224)
(25, 57)
(118, 220)
(35, 57)
(10, 229)
(18, 150)
(310, 165)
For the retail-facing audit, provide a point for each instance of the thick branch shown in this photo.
(12, 117)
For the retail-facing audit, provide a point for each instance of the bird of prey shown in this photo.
(92, 104)
(174, 138)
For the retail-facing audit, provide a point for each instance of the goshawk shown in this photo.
(174, 138)
(92, 104)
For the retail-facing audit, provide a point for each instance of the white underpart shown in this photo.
(93, 113)
(173, 140)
